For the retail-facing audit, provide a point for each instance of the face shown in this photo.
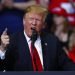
(33, 20)
(58, 20)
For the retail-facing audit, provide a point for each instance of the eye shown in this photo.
(38, 20)
(31, 18)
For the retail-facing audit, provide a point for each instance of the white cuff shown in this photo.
(2, 54)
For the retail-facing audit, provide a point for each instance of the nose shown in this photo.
(34, 22)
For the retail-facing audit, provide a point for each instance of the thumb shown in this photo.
(5, 31)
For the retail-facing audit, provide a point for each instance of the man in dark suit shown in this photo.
(32, 49)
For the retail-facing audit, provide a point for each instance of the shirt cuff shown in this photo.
(2, 54)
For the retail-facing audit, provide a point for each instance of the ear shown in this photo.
(23, 21)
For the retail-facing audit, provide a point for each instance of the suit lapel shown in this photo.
(25, 51)
(44, 51)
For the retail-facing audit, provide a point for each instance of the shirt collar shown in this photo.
(27, 38)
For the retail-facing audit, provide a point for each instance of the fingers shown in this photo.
(5, 38)
(5, 31)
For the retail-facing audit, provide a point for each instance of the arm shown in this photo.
(19, 5)
(23, 5)
(4, 41)
(7, 51)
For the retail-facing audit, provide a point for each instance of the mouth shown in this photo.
(33, 30)
(33, 27)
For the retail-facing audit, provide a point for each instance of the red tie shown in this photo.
(37, 66)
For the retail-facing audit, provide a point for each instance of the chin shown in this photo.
(29, 35)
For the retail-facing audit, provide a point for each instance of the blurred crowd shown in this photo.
(59, 22)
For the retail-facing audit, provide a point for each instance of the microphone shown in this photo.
(34, 35)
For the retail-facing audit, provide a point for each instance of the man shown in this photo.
(23, 52)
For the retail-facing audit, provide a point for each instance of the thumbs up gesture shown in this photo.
(4, 39)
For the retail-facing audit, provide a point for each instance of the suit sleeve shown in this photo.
(2, 65)
(10, 55)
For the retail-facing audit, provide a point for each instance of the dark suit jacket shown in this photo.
(18, 56)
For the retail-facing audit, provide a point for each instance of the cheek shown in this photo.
(26, 23)
(39, 27)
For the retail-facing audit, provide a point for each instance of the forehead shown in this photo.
(34, 15)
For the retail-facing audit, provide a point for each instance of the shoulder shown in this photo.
(16, 36)
(49, 37)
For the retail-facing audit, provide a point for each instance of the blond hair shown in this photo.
(37, 9)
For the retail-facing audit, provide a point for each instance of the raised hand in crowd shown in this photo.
(7, 3)
(4, 40)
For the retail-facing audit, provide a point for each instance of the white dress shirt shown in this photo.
(37, 45)
(2, 54)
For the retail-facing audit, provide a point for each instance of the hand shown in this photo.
(7, 3)
(4, 40)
